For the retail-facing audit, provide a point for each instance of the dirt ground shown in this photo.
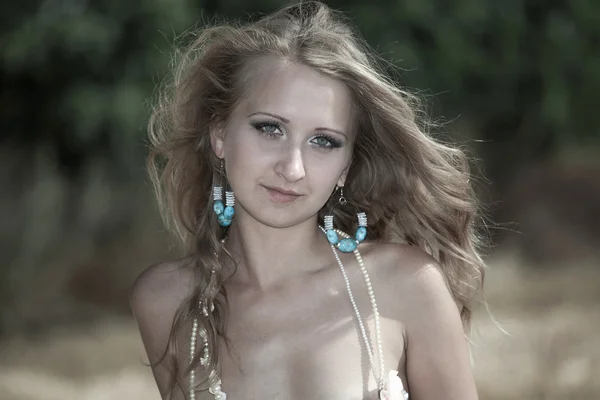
(543, 342)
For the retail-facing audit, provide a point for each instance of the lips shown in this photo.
(280, 195)
(283, 191)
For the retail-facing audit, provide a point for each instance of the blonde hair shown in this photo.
(414, 189)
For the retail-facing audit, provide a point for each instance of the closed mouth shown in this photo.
(283, 191)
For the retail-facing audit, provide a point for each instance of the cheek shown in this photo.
(245, 159)
(241, 148)
(325, 170)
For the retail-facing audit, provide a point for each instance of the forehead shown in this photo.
(298, 93)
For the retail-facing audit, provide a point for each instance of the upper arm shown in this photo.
(438, 358)
(155, 297)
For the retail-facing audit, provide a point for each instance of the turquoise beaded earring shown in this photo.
(346, 245)
(224, 213)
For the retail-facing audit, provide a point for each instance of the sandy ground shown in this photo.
(549, 349)
(545, 340)
(99, 363)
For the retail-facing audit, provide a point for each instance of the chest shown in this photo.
(302, 342)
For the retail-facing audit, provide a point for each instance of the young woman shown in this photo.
(331, 247)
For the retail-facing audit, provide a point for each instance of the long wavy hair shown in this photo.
(415, 189)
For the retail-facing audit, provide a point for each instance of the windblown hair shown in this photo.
(415, 189)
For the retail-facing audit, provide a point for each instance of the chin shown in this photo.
(282, 222)
(277, 218)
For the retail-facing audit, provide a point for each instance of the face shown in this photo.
(287, 143)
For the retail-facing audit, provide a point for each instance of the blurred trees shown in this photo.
(77, 76)
(522, 78)
(524, 74)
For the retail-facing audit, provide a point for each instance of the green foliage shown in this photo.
(524, 74)
(92, 65)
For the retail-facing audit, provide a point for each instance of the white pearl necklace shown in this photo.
(215, 388)
(365, 273)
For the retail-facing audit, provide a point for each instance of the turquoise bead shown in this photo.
(332, 236)
(218, 207)
(347, 245)
(228, 212)
(361, 233)
(223, 221)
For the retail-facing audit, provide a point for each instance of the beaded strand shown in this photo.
(215, 388)
(365, 273)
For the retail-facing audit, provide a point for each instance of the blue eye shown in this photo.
(268, 128)
(327, 142)
(273, 129)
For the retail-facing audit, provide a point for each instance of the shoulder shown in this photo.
(416, 293)
(155, 297)
(412, 282)
(162, 284)
(406, 264)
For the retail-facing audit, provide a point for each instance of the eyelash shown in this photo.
(259, 126)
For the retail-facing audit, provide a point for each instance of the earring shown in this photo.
(224, 213)
(346, 245)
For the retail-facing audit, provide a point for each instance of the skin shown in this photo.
(292, 330)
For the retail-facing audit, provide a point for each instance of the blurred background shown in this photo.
(517, 83)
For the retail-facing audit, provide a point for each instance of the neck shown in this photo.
(268, 256)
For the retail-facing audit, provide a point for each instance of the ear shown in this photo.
(342, 181)
(216, 141)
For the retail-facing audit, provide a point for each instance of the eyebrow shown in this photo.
(287, 121)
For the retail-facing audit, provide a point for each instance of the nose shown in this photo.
(291, 166)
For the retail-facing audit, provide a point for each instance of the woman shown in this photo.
(276, 138)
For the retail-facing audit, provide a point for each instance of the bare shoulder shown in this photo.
(416, 293)
(155, 297)
(403, 263)
(162, 285)
(411, 281)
